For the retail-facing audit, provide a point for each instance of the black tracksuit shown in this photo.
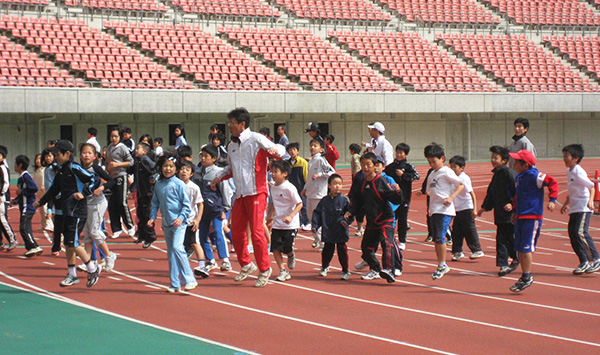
(405, 183)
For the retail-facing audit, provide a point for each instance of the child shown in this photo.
(38, 178)
(216, 203)
(298, 177)
(118, 160)
(158, 149)
(374, 195)
(127, 140)
(144, 171)
(5, 227)
(379, 169)
(171, 197)
(529, 211)
(441, 192)
(580, 204)
(403, 174)
(357, 177)
(218, 140)
(72, 182)
(179, 137)
(316, 185)
(185, 153)
(354, 158)
(283, 213)
(96, 205)
(26, 189)
(463, 226)
(331, 153)
(186, 171)
(499, 197)
(329, 216)
(520, 141)
(53, 206)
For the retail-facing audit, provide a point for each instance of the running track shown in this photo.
(470, 310)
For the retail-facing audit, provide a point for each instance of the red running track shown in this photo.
(470, 310)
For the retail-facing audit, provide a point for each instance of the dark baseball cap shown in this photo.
(311, 127)
(63, 144)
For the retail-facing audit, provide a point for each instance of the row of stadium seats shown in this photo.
(583, 51)
(359, 10)
(546, 12)
(442, 11)
(121, 5)
(254, 8)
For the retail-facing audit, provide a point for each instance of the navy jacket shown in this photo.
(329, 215)
(500, 192)
(70, 179)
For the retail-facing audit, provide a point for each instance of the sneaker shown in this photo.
(323, 272)
(189, 252)
(345, 276)
(291, 262)
(201, 272)
(402, 246)
(458, 256)
(110, 262)
(439, 272)
(316, 243)
(33, 252)
(245, 271)
(522, 284)
(408, 227)
(82, 267)
(372, 275)
(37, 251)
(360, 232)
(504, 270)
(305, 227)
(477, 255)
(147, 244)
(116, 234)
(449, 241)
(263, 278)
(582, 268)
(93, 276)
(56, 253)
(138, 241)
(514, 265)
(211, 265)
(361, 265)
(172, 290)
(190, 286)
(594, 267)
(388, 275)
(429, 239)
(69, 281)
(131, 231)
(397, 272)
(225, 266)
(284, 275)
(12, 246)
(321, 248)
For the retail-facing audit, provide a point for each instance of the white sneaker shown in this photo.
(402, 246)
(397, 272)
(345, 276)
(211, 265)
(82, 267)
(116, 234)
(323, 272)
(284, 275)
(372, 275)
(361, 265)
(245, 271)
(110, 262)
(306, 227)
(263, 278)
(316, 243)
(477, 255)
(190, 286)
(131, 232)
(458, 256)
(360, 232)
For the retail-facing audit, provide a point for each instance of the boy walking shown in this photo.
(26, 189)
(329, 216)
(580, 204)
(463, 226)
(283, 212)
(499, 197)
(529, 211)
(144, 170)
(5, 228)
(298, 177)
(442, 192)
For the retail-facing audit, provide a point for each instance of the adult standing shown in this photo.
(118, 160)
(379, 145)
(520, 141)
(248, 157)
(283, 138)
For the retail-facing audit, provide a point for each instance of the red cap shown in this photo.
(524, 155)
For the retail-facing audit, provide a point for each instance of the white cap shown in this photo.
(378, 126)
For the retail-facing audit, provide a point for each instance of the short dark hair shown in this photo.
(220, 136)
(158, 140)
(3, 151)
(293, 145)
(240, 115)
(93, 131)
(215, 126)
(369, 156)
(434, 150)
(119, 132)
(282, 165)
(265, 130)
(523, 121)
(45, 153)
(51, 142)
(145, 147)
(458, 160)
(187, 163)
(283, 126)
(330, 137)
(210, 150)
(315, 140)
(184, 151)
(23, 161)
(126, 130)
(576, 151)
(354, 148)
(332, 177)
(148, 138)
(501, 151)
(403, 147)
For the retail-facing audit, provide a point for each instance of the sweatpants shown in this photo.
(581, 241)
(179, 265)
(463, 228)
(204, 229)
(250, 210)
(117, 206)
(311, 205)
(56, 235)
(5, 227)
(372, 238)
(145, 232)
(505, 244)
(26, 231)
(401, 215)
(327, 255)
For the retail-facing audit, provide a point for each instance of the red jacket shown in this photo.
(331, 155)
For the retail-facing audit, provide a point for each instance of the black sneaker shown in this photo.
(582, 268)
(138, 241)
(69, 281)
(201, 272)
(522, 284)
(93, 276)
(594, 267)
(387, 275)
(504, 270)
(147, 244)
(429, 239)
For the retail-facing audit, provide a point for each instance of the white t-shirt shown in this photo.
(440, 185)
(579, 186)
(285, 198)
(94, 141)
(158, 151)
(464, 201)
(195, 199)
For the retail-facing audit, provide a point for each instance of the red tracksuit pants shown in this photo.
(250, 209)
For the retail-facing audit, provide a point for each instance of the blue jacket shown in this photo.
(530, 193)
(171, 196)
(27, 197)
(329, 215)
(70, 179)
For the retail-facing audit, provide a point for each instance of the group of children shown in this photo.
(193, 198)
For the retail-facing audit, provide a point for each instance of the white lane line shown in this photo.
(153, 287)
(48, 263)
(144, 259)
(39, 291)
(113, 278)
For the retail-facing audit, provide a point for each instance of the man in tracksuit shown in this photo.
(248, 154)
